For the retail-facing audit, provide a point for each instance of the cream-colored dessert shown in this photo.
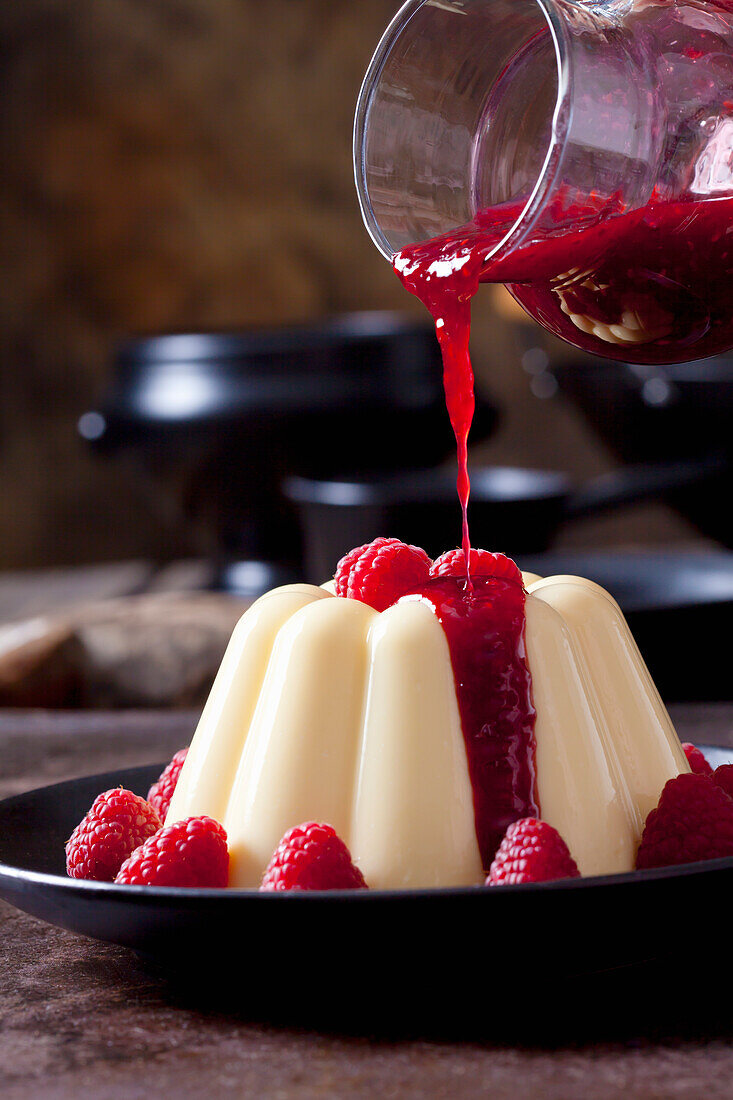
(605, 742)
(636, 727)
(325, 709)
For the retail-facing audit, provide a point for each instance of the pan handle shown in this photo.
(630, 484)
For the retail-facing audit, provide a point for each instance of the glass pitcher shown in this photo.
(584, 151)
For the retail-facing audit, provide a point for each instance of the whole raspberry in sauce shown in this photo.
(482, 563)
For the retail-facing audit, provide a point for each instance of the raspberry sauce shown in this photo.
(484, 628)
(649, 285)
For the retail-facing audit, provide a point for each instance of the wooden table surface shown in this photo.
(80, 1018)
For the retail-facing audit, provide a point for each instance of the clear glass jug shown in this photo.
(581, 153)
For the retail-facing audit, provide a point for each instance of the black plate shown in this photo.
(407, 941)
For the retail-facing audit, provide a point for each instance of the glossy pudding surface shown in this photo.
(421, 731)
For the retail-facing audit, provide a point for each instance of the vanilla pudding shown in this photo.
(325, 709)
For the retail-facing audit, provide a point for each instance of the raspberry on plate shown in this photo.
(192, 852)
(484, 563)
(696, 760)
(161, 792)
(723, 776)
(693, 821)
(531, 851)
(117, 823)
(312, 857)
(381, 571)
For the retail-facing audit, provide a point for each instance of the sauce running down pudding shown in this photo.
(484, 625)
(324, 709)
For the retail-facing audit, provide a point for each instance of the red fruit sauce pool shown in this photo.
(484, 627)
(650, 285)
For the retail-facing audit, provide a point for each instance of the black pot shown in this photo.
(517, 511)
(652, 414)
(229, 415)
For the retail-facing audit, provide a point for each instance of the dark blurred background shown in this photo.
(186, 164)
(179, 166)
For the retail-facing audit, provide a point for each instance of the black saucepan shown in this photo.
(517, 511)
(223, 417)
(677, 412)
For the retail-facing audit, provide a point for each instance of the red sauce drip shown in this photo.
(453, 327)
(448, 297)
(484, 627)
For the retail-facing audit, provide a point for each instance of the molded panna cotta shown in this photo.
(380, 724)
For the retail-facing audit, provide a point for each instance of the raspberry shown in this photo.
(723, 776)
(696, 760)
(531, 851)
(312, 857)
(483, 563)
(381, 571)
(694, 820)
(161, 792)
(117, 823)
(192, 852)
